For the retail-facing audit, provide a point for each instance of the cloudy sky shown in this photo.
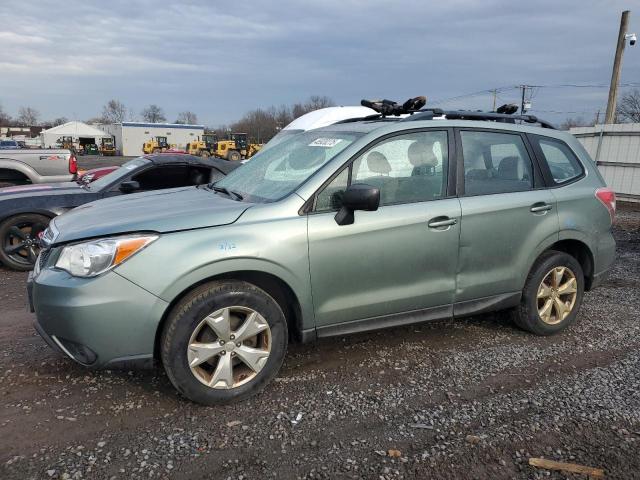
(220, 59)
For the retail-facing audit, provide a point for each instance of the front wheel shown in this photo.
(20, 237)
(552, 294)
(224, 342)
(234, 156)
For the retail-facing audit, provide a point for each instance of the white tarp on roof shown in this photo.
(71, 129)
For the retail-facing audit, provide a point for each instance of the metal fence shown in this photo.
(616, 150)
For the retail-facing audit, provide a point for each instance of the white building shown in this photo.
(130, 136)
(616, 150)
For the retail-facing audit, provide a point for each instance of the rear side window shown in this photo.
(563, 164)
(495, 163)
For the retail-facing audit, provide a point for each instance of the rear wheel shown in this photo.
(552, 294)
(233, 156)
(205, 153)
(156, 150)
(224, 342)
(20, 237)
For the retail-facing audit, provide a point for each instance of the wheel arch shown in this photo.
(582, 253)
(277, 288)
(16, 166)
(28, 211)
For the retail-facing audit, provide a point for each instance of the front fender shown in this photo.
(178, 261)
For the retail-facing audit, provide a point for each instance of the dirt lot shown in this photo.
(458, 399)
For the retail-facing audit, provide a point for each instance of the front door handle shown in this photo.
(540, 207)
(441, 222)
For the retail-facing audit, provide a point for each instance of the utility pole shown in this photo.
(523, 102)
(610, 116)
(495, 94)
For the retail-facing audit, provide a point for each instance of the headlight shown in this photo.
(97, 256)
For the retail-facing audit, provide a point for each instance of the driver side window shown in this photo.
(406, 168)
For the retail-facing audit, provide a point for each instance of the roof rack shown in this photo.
(429, 114)
(413, 110)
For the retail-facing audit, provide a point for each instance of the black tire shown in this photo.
(233, 156)
(526, 315)
(22, 230)
(156, 150)
(187, 315)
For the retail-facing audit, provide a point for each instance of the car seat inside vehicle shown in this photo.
(424, 183)
(378, 164)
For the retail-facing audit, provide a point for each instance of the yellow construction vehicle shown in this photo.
(107, 147)
(253, 149)
(156, 145)
(204, 147)
(234, 148)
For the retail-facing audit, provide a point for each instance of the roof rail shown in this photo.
(429, 114)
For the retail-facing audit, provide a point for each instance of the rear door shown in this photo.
(506, 213)
(399, 258)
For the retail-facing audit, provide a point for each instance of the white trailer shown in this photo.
(130, 136)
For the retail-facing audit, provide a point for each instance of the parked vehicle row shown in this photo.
(363, 224)
(25, 211)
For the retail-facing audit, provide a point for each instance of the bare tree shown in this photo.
(262, 124)
(187, 117)
(316, 102)
(59, 121)
(628, 109)
(153, 114)
(55, 122)
(5, 118)
(114, 111)
(571, 122)
(27, 116)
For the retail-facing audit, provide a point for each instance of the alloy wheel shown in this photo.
(557, 295)
(229, 347)
(22, 242)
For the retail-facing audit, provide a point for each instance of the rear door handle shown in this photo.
(540, 207)
(440, 222)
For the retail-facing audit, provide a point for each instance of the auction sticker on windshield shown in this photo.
(325, 142)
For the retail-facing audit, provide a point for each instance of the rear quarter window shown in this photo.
(562, 163)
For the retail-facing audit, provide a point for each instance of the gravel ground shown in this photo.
(472, 398)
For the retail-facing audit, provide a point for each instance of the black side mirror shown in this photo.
(129, 187)
(357, 197)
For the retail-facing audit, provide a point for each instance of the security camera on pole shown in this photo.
(623, 36)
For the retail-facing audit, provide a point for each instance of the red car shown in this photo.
(94, 174)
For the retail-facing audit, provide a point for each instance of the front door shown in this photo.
(403, 256)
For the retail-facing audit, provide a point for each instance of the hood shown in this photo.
(158, 211)
(40, 189)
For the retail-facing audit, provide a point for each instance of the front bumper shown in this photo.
(106, 321)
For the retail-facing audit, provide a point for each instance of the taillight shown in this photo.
(608, 198)
(73, 164)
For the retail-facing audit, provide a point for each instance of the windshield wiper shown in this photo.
(230, 193)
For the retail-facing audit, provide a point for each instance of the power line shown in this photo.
(491, 91)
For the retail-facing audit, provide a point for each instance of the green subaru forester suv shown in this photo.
(365, 224)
